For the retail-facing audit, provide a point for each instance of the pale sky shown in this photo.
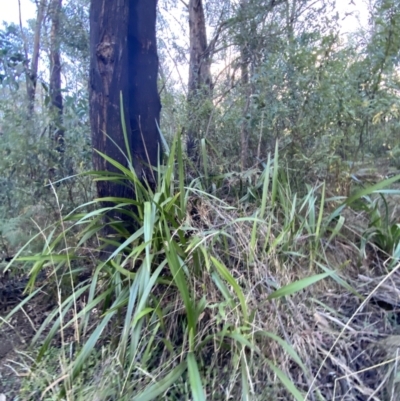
(353, 13)
(9, 10)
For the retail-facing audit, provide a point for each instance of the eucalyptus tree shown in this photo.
(124, 65)
(202, 52)
(199, 64)
(200, 80)
(281, 44)
(253, 30)
(32, 70)
(55, 76)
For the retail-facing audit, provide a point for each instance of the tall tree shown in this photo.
(124, 60)
(31, 73)
(55, 76)
(199, 65)
(200, 80)
(244, 80)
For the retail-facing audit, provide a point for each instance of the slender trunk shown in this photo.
(124, 61)
(244, 129)
(31, 78)
(200, 81)
(199, 67)
(295, 116)
(244, 78)
(290, 20)
(57, 130)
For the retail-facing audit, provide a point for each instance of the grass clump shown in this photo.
(208, 298)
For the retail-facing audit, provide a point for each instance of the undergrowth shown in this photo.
(207, 299)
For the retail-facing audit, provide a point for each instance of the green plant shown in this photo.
(166, 300)
(382, 230)
(163, 258)
(394, 156)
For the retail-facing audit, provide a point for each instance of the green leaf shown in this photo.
(297, 286)
(194, 378)
(265, 187)
(224, 272)
(124, 130)
(287, 347)
(286, 381)
(372, 189)
(154, 391)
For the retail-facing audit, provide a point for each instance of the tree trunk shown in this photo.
(245, 84)
(200, 81)
(57, 130)
(244, 129)
(199, 68)
(31, 76)
(124, 60)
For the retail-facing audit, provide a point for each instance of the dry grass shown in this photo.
(345, 329)
(340, 335)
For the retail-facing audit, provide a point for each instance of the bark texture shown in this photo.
(57, 130)
(124, 60)
(199, 69)
(200, 80)
(31, 73)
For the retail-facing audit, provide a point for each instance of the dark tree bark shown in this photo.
(124, 60)
(57, 130)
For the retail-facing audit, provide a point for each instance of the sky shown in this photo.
(353, 14)
(358, 9)
(9, 10)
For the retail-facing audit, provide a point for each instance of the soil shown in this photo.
(14, 337)
(16, 332)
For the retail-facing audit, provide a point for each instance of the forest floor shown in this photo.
(16, 334)
(12, 342)
(371, 336)
(351, 337)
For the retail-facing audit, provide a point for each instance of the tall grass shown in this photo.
(171, 313)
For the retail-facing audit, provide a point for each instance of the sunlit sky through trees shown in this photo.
(353, 15)
(352, 12)
(10, 10)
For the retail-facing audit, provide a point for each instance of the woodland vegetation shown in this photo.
(199, 201)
